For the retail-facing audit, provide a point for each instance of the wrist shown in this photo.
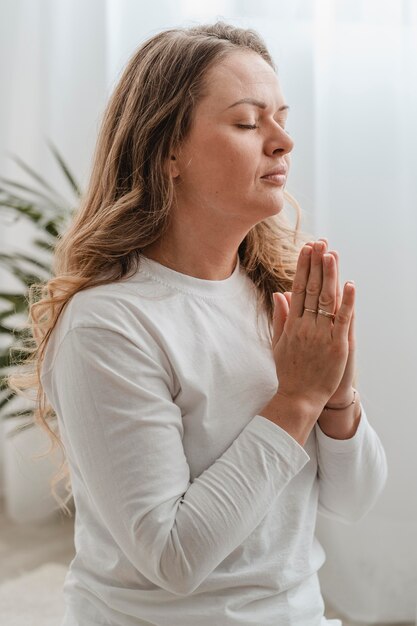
(294, 414)
(308, 403)
(341, 424)
(343, 400)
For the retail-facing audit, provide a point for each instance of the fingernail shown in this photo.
(307, 250)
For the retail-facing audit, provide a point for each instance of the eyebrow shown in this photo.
(258, 103)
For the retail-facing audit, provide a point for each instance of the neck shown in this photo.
(209, 253)
(216, 267)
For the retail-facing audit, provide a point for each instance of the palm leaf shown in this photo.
(25, 208)
(52, 228)
(48, 211)
(31, 190)
(17, 299)
(4, 360)
(23, 426)
(5, 330)
(73, 184)
(45, 245)
(8, 396)
(22, 257)
(25, 277)
(37, 177)
(6, 314)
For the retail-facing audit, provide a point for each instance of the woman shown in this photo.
(201, 432)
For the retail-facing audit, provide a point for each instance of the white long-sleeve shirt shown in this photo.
(192, 509)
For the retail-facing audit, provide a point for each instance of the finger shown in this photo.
(344, 314)
(324, 239)
(338, 287)
(351, 335)
(315, 279)
(287, 295)
(327, 298)
(279, 316)
(300, 283)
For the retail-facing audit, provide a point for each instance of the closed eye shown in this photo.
(253, 126)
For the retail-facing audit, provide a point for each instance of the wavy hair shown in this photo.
(127, 203)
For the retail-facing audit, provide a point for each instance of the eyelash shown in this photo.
(252, 127)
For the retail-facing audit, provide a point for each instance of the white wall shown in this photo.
(349, 73)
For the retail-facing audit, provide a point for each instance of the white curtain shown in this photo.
(348, 69)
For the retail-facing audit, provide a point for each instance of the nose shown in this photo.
(278, 142)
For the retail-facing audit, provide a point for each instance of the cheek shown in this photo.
(233, 162)
(220, 163)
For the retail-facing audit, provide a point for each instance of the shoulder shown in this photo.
(109, 306)
(122, 309)
(123, 306)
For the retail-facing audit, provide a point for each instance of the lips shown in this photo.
(277, 176)
(279, 170)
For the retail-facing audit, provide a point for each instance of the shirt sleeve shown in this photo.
(352, 472)
(123, 432)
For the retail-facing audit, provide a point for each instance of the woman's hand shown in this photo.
(314, 356)
(343, 394)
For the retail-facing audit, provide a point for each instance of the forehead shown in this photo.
(241, 75)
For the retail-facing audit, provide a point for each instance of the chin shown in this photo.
(264, 215)
(275, 208)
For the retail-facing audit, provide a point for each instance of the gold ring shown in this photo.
(322, 312)
(310, 310)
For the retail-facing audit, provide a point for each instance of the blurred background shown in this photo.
(348, 70)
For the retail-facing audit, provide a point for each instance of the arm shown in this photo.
(351, 461)
(352, 466)
(341, 423)
(123, 433)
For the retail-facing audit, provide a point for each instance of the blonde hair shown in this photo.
(129, 196)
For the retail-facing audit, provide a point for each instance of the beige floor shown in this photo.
(26, 547)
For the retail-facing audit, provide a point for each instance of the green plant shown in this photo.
(46, 211)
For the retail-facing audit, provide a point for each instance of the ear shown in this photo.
(173, 168)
